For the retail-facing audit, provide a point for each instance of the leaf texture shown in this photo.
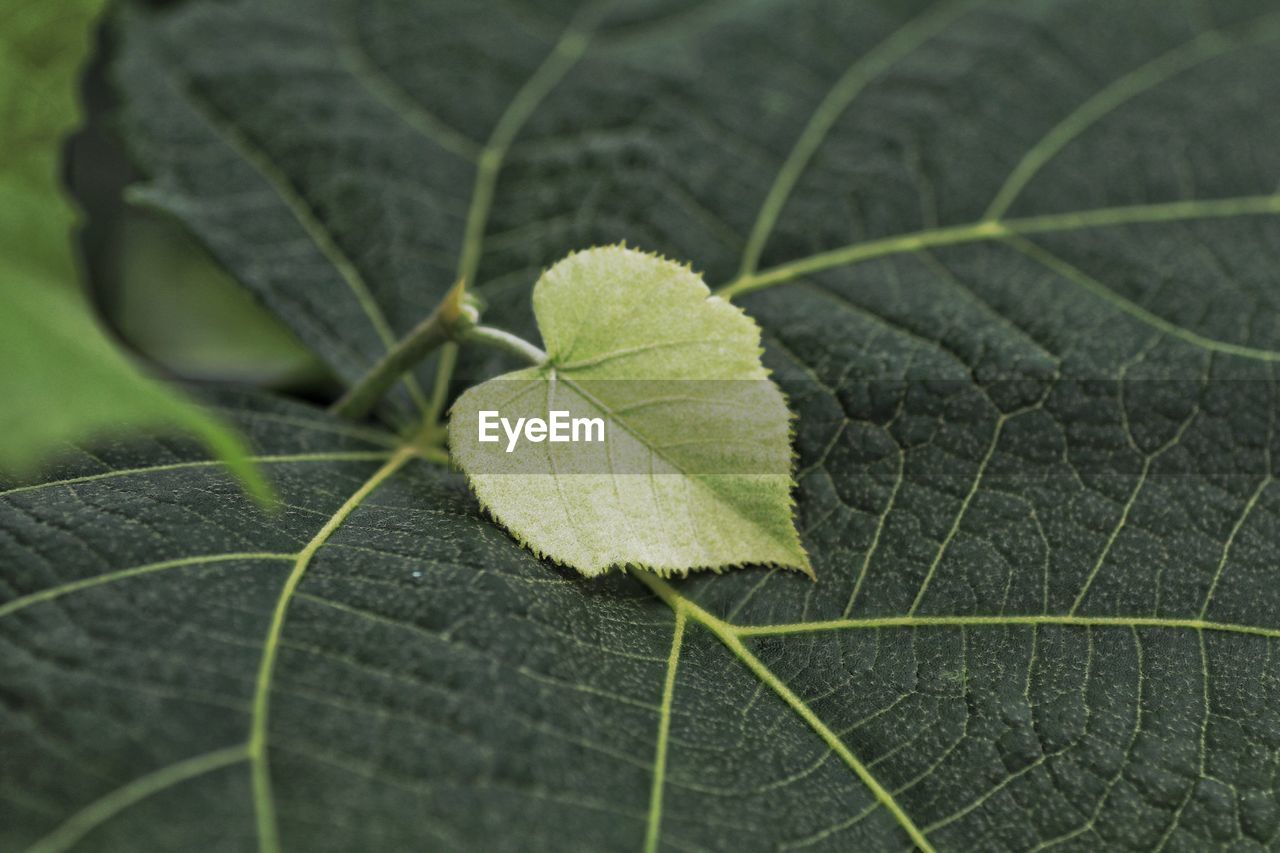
(1015, 266)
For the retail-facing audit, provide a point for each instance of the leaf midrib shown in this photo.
(655, 450)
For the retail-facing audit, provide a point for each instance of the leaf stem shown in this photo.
(438, 327)
(440, 389)
(451, 323)
(505, 341)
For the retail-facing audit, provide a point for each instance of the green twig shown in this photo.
(440, 326)
(440, 390)
(453, 322)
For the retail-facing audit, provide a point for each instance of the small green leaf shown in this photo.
(694, 469)
(63, 379)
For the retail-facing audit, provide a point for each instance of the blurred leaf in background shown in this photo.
(62, 379)
(168, 299)
(154, 286)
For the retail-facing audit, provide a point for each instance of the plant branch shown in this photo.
(440, 389)
(453, 322)
(436, 329)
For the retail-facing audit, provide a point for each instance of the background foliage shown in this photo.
(1015, 263)
(63, 380)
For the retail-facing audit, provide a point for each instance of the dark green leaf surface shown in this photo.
(1016, 267)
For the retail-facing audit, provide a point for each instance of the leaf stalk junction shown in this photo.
(455, 320)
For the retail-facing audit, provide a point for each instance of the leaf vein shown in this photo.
(108, 806)
(264, 805)
(865, 68)
(652, 835)
(1199, 50)
(134, 571)
(280, 459)
(306, 217)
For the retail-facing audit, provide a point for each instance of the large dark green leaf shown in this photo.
(1016, 266)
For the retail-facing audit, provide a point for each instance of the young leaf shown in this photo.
(61, 378)
(694, 467)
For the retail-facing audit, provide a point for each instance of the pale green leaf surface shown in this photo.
(209, 327)
(1046, 613)
(694, 471)
(63, 380)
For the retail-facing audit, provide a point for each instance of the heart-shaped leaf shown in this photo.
(689, 466)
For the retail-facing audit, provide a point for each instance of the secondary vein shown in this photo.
(307, 218)
(563, 56)
(864, 69)
(278, 459)
(986, 231)
(664, 734)
(1199, 50)
(1006, 621)
(353, 53)
(74, 828)
(133, 571)
(731, 637)
(264, 805)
